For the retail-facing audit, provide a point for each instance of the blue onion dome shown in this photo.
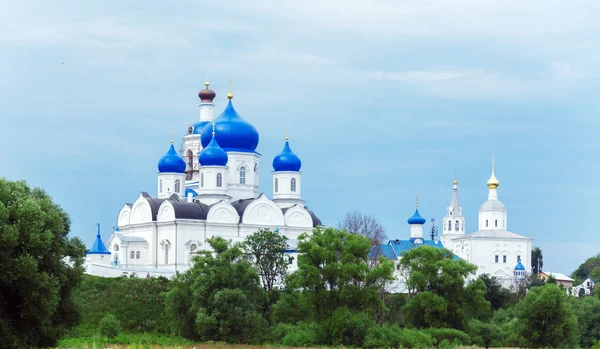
(213, 155)
(196, 128)
(287, 160)
(171, 162)
(233, 133)
(519, 267)
(416, 218)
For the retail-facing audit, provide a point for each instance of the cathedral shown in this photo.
(210, 189)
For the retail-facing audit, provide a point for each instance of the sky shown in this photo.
(384, 101)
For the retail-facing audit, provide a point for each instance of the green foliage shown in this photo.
(219, 298)
(438, 296)
(290, 309)
(484, 334)
(586, 268)
(35, 282)
(394, 302)
(546, 318)
(536, 253)
(494, 292)
(450, 335)
(265, 250)
(345, 328)
(143, 340)
(587, 311)
(109, 326)
(333, 271)
(396, 337)
(137, 303)
(299, 335)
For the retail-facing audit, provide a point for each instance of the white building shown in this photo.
(492, 248)
(213, 192)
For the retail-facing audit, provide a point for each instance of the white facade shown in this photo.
(159, 235)
(493, 249)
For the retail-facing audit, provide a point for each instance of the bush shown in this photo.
(301, 335)
(396, 337)
(109, 326)
(346, 328)
(449, 334)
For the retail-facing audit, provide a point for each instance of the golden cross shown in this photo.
(229, 83)
(417, 201)
(172, 137)
(286, 135)
(213, 125)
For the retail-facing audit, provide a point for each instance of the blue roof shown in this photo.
(190, 191)
(383, 250)
(399, 247)
(171, 162)
(416, 218)
(213, 155)
(520, 266)
(287, 160)
(199, 126)
(98, 247)
(233, 133)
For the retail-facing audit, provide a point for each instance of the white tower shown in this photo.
(454, 222)
(416, 225)
(492, 214)
(287, 178)
(213, 173)
(171, 174)
(191, 141)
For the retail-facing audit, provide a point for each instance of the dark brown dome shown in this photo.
(206, 95)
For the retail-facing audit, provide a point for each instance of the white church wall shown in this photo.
(249, 189)
(140, 212)
(297, 216)
(124, 216)
(484, 254)
(263, 212)
(224, 213)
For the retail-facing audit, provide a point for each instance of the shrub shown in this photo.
(301, 335)
(109, 326)
(449, 334)
(346, 328)
(396, 337)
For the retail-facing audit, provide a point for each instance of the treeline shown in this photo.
(337, 296)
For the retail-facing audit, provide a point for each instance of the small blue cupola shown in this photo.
(233, 132)
(213, 154)
(520, 266)
(519, 270)
(287, 160)
(98, 247)
(171, 162)
(416, 218)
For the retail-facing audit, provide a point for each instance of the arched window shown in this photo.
(456, 226)
(486, 223)
(496, 223)
(449, 225)
(202, 180)
(242, 175)
(116, 247)
(450, 213)
(160, 186)
(276, 185)
(293, 184)
(219, 180)
(137, 255)
(166, 254)
(177, 186)
(132, 255)
(193, 247)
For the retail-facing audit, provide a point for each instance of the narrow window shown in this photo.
(293, 184)
(242, 175)
(160, 186)
(276, 185)
(290, 260)
(450, 213)
(166, 254)
(456, 226)
(132, 255)
(177, 186)
(496, 223)
(137, 255)
(518, 259)
(202, 180)
(504, 259)
(449, 225)
(496, 259)
(486, 223)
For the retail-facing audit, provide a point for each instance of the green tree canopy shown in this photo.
(587, 311)
(40, 266)
(586, 268)
(546, 318)
(333, 271)
(219, 298)
(495, 293)
(439, 296)
(265, 249)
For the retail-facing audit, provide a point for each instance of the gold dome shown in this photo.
(493, 182)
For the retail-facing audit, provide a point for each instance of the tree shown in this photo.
(40, 267)
(587, 312)
(438, 296)
(219, 298)
(495, 293)
(109, 327)
(535, 254)
(358, 223)
(546, 318)
(265, 249)
(585, 269)
(333, 272)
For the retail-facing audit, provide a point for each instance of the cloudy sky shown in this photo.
(384, 100)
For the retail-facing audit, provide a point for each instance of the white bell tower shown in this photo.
(454, 221)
